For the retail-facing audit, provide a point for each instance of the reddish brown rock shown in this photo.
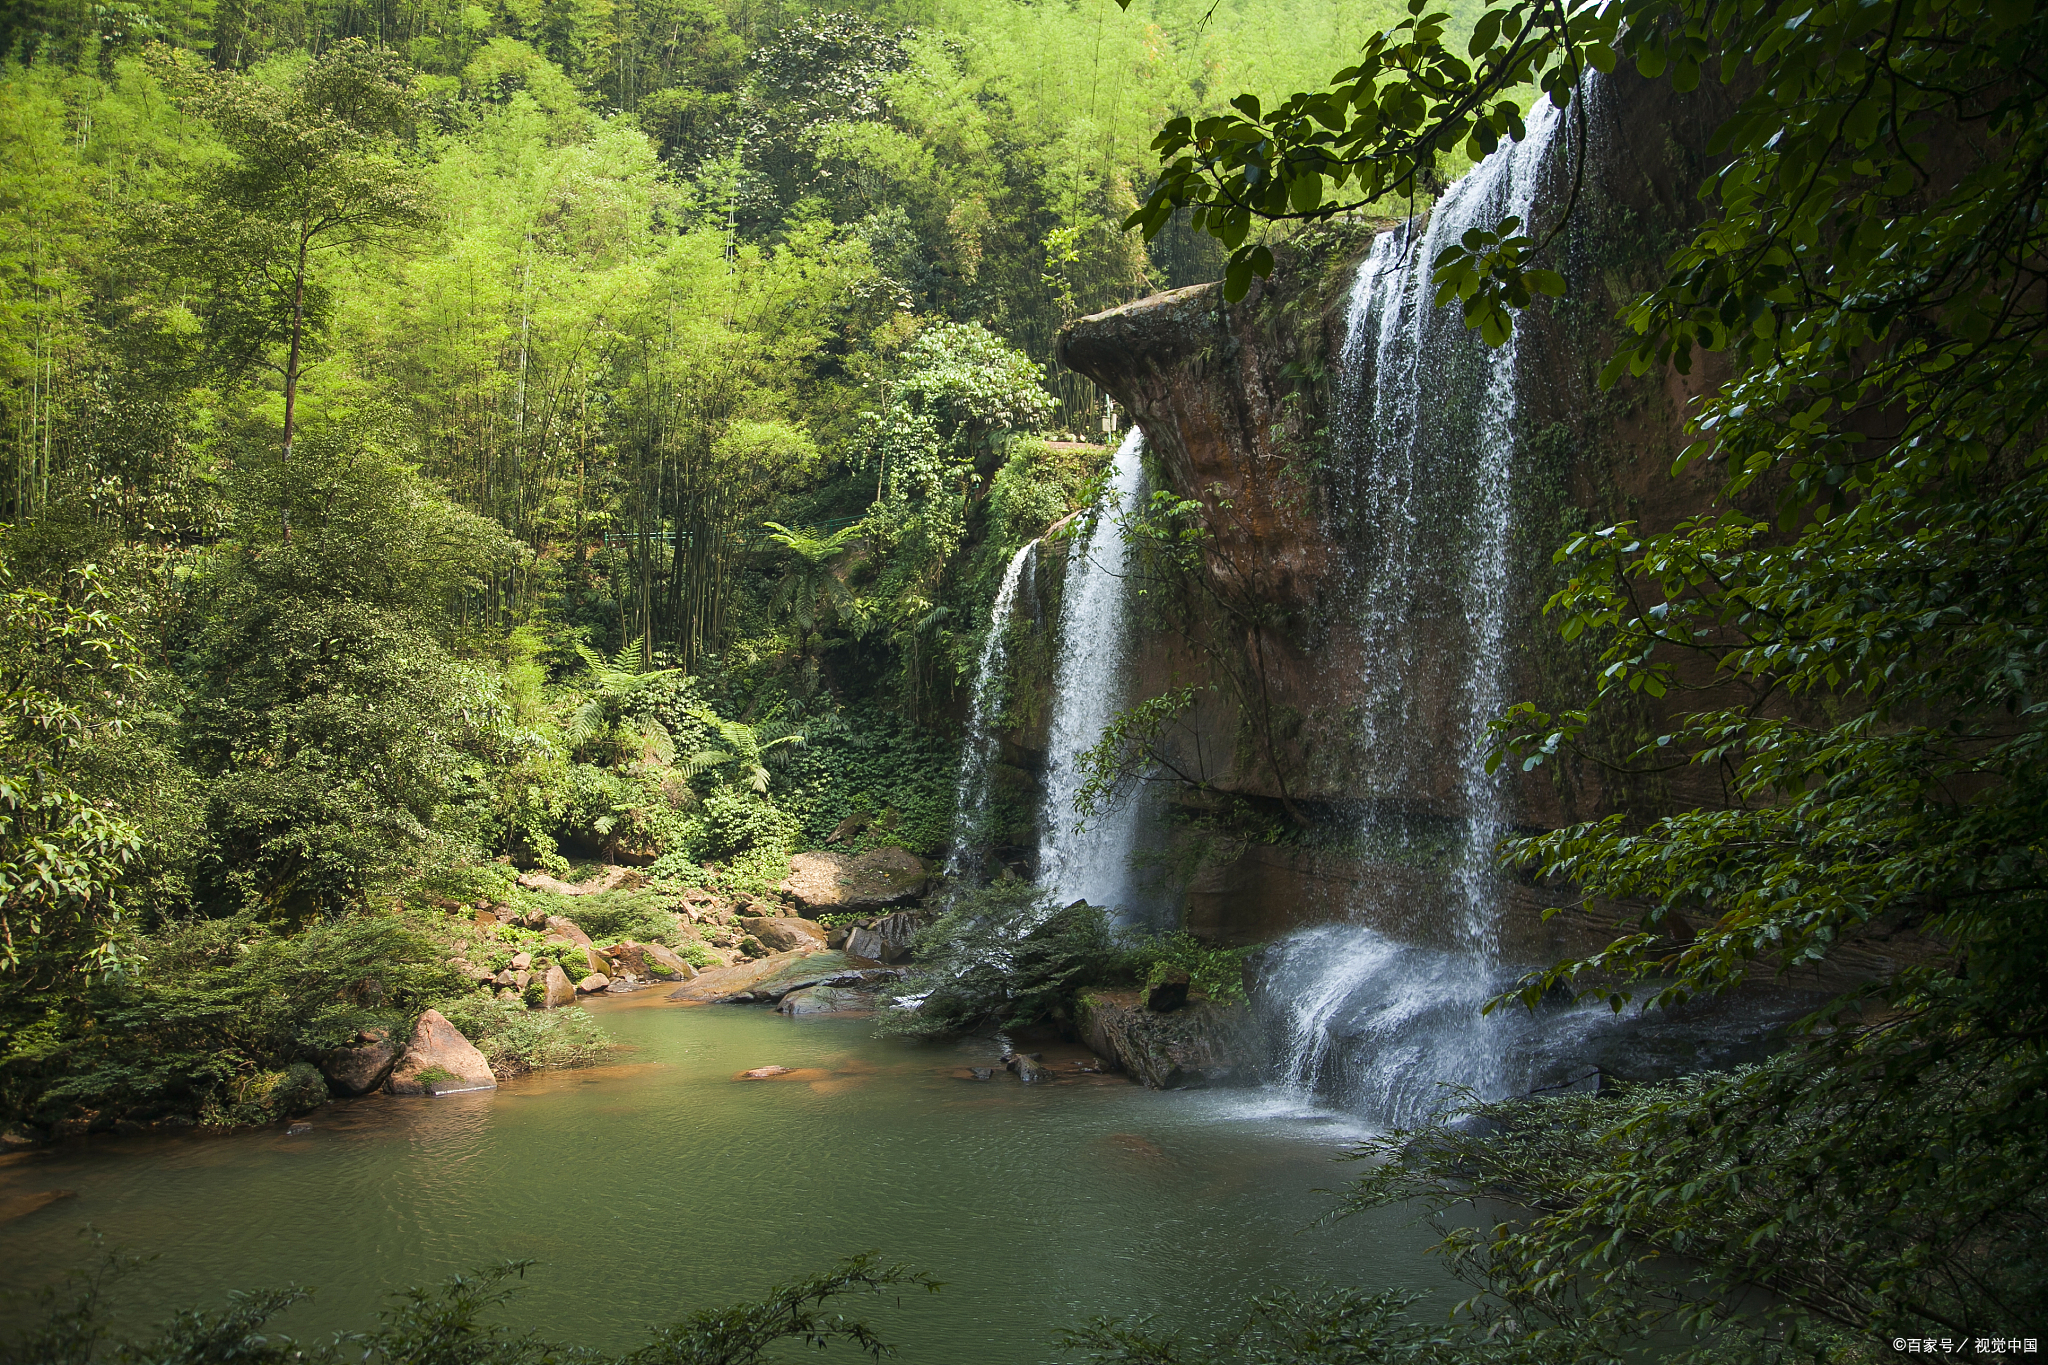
(785, 933)
(666, 962)
(562, 927)
(438, 1060)
(764, 1073)
(556, 989)
(592, 984)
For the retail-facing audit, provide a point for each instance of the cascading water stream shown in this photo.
(1089, 683)
(970, 804)
(1426, 414)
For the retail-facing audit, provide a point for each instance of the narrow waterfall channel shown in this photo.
(1089, 683)
(970, 807)
(1425, 428)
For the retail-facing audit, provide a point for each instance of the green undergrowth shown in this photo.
(515, 1039)
(214, 1014)
(454, 1323)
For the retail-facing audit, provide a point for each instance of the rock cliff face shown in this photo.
(1237, 402)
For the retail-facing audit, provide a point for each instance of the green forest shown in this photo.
(450, 443)
(440, 440)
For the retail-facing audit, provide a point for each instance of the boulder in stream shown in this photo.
(438, 1060)
(362, 1066)
(1201, 1044)
(592, 984)
(826, 1000)
(771, 978)
(887, 939)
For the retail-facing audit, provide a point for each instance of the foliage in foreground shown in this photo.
(447, 1326)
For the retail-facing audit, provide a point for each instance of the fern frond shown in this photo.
(656, 742)
(703, 761)
(627, 660)
(586, 723)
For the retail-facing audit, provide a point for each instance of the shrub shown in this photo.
(221, 1001)
(733, 822)
(1003, 955)
(515, 1040)
(871, 763)
(267, 1096)
(1216, 973)
(638, 915)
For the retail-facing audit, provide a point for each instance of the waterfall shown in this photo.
(970, 803)
(1425, 427)
(1089, 684)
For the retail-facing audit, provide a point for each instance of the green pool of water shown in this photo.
(660, 1184)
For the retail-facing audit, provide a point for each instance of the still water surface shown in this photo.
(658, 1185)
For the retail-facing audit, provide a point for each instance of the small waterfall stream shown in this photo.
(970, 803)
(1089, 684)
(1425, 421)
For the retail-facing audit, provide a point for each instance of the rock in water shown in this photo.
(593, 983)
(825, 1000)
(1201, 1044)
(1168, 993)
(361, 1067)
(785, 933)
(763, 1073)
(440, 1061)
(887, 939)
(556, 989)
(1027, 1068)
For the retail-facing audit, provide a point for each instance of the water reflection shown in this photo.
(660, 1184)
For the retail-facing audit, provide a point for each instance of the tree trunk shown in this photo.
(291, 378)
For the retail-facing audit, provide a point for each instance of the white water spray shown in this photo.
(1426, 418)
(970, 802)
(1090, 681)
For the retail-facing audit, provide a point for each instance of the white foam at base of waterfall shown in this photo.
(978, 750)
(1427, 413)
(1090, 682)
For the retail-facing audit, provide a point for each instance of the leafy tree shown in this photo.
(311, 170)
(67, 668)
(602, 720)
